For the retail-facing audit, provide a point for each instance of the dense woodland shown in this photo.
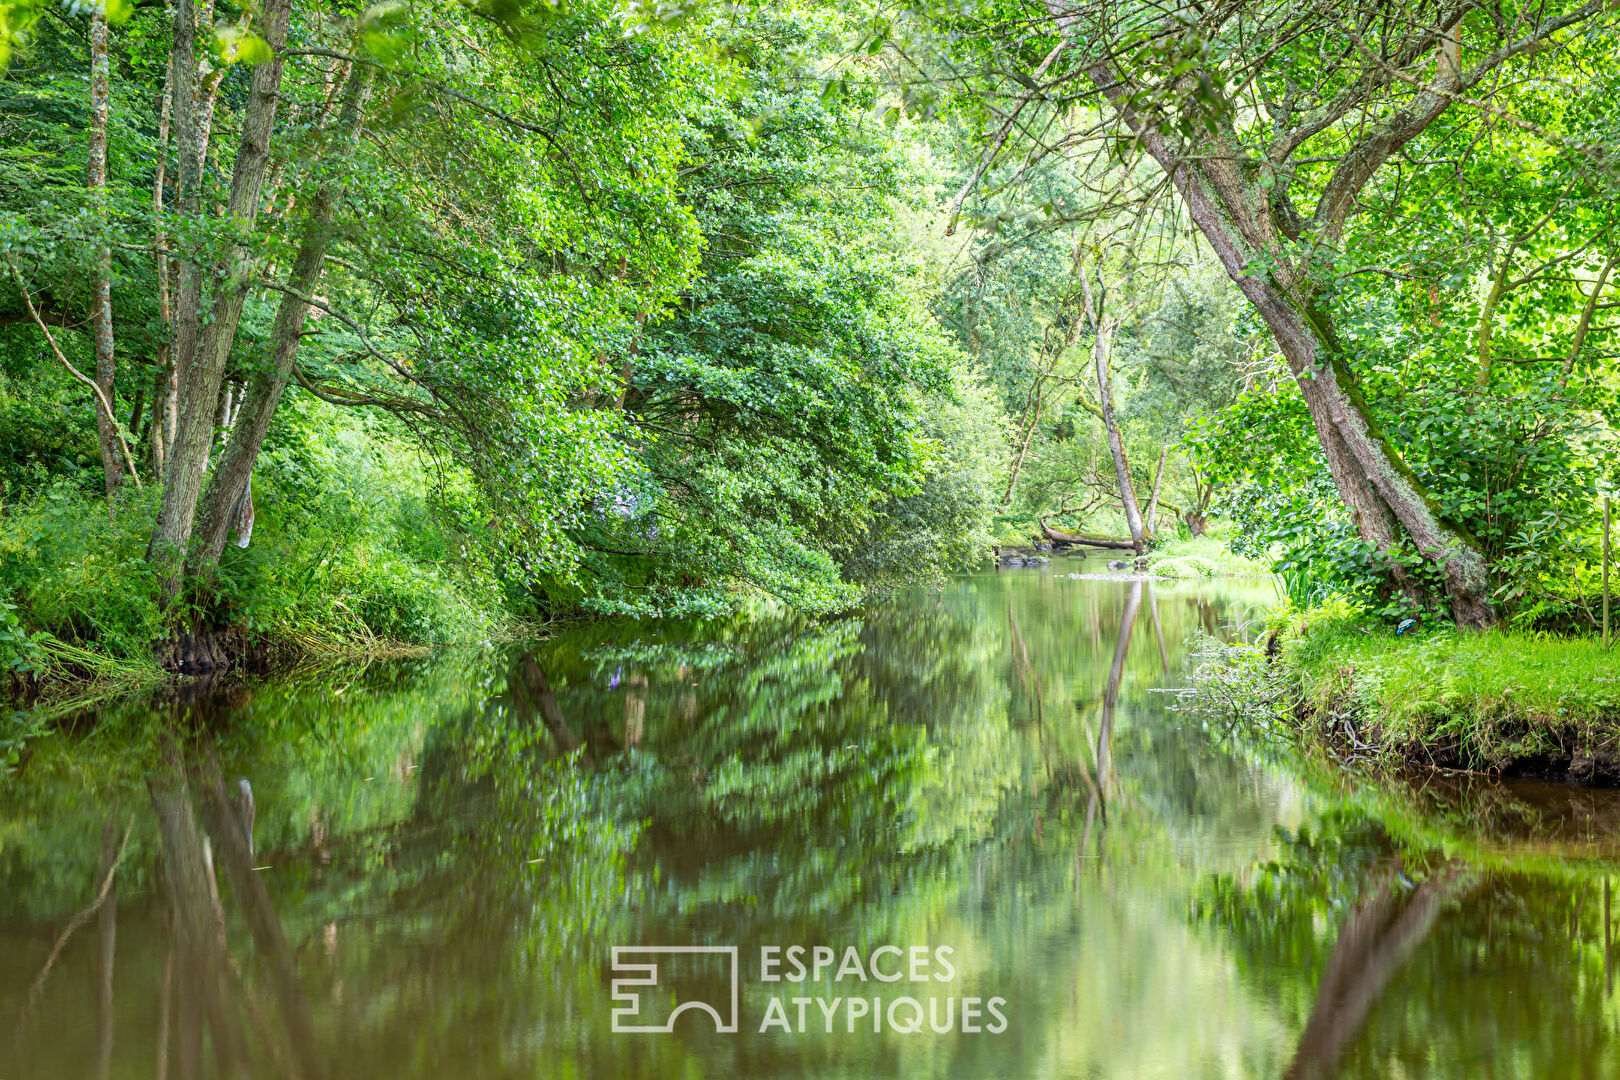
(413, 322)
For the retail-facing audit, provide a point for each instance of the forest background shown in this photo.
(330, 326)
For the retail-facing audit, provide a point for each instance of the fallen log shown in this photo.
(1059, 537)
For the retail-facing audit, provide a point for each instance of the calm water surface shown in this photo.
(442, 855)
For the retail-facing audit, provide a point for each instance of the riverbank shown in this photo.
(1502, 702)
(1206, 556)
(354, 560)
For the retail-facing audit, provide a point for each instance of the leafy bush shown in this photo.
(347, 547)
(84, 578)
(19, 653)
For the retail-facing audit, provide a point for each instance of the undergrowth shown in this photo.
(349, 553)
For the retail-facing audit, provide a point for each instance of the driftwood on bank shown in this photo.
(1059, 537)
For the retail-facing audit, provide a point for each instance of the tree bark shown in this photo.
(1153, 499)
(101, 319)
(163, 388)
(228, 486)
(199, 377)
(1102, 349)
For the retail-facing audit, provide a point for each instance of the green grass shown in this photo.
(1202, 557)
(1500, 696)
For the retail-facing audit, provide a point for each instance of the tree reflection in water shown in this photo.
(437, 857)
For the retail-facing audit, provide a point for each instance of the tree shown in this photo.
(1250, 110)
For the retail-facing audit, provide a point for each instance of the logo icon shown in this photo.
(627, 1017)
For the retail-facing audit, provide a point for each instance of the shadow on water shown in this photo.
(421, 869)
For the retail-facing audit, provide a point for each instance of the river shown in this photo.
(1017, 856)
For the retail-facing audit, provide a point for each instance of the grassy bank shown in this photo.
(1202, 557)
(350, 556)
(1501, 701)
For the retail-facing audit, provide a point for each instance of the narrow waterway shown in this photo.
(1017, 857)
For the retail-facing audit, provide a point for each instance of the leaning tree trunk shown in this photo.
(200, 375)
(101, 320)
(1386, 500)
(1232, 211)
(222, 506)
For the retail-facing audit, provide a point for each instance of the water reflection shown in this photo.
(421, 869)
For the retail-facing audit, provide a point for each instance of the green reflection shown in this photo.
(440, 856)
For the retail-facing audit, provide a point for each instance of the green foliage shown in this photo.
(1518, 465)
(622, 302)
(19, 654)
(78, 575)
(799, 426)
(347, 550)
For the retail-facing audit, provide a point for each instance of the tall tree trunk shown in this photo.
(1585, 324)
(221, 507)
(191, 98)
(1487, 315)
(187, 312)
(163, 388)
(101, 320)
(1153, 499)
(1033, 407)
(199, 378)
(137, 412)
(1102, 354)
